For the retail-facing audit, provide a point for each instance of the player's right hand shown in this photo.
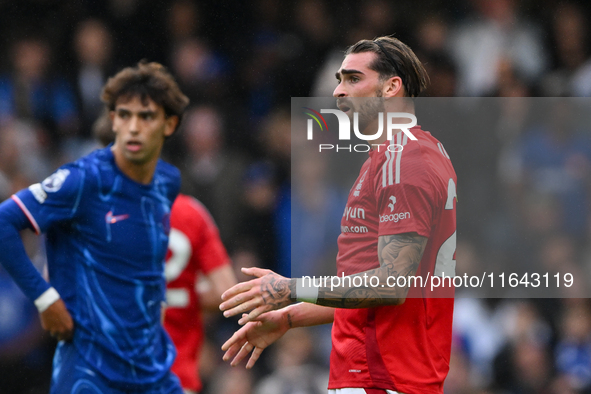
(254, 337)
(57, 320)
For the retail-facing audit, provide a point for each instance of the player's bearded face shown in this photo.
(360, 90)
(369, 109)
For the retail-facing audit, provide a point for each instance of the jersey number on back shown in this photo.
(180, 247)
(445, 265)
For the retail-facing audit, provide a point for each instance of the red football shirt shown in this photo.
(405, 348)
(194, 247)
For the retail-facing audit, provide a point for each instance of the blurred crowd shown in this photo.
(524, 191)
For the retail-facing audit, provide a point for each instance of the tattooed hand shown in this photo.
(268, 292)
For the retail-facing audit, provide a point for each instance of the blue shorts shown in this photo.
(73, 375)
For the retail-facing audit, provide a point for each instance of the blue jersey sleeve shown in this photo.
(54, 200)
(13, 257)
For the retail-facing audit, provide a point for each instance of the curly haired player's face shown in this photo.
(140, 129)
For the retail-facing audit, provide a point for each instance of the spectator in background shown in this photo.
(554, 161)
(31, 91)
(93, 48)
(261, 80)
(138, 29)
(496, 33)
(275, 138)
(573, 351)
(459, 379)
(443, 74)
(23, 156)
(258, 205)
(377, 16)
(529, 369)
(532, 366)
(211, 171)
(432, 35)
(432, 48)
(294, 370)
(478, 334)
(560, 254)
(316, 210)
(314, 31)
(183, 20)
(569, 43)
(200, 69)
(230, 380)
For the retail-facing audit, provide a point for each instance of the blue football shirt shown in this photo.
(107, 237)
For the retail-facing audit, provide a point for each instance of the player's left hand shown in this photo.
(255, 337)
(268, 292)
(57, 321)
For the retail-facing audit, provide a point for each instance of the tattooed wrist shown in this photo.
(276, 291)
(356, 297)
(399, 256)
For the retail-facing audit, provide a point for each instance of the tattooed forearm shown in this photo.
(391, 246)
(277, 292)
(399, 256)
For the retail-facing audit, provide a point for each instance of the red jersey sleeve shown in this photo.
(208, 251)
(404, 191)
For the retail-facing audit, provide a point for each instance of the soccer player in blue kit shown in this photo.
(106, 220)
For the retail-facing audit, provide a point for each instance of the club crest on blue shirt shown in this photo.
(54, 182)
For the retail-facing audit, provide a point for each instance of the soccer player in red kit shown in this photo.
(384, 339)
(194, 249)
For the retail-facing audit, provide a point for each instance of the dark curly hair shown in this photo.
(146, 80)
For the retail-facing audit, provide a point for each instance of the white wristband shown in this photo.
(45, 300)
(306, 293)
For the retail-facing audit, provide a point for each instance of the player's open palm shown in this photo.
(269, 291)
(57, 320)
(254, 337)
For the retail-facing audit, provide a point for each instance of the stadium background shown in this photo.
(240, 62)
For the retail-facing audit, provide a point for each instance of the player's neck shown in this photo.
(138, 172)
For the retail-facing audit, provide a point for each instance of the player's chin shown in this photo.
(138, 158)
(349, 112)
